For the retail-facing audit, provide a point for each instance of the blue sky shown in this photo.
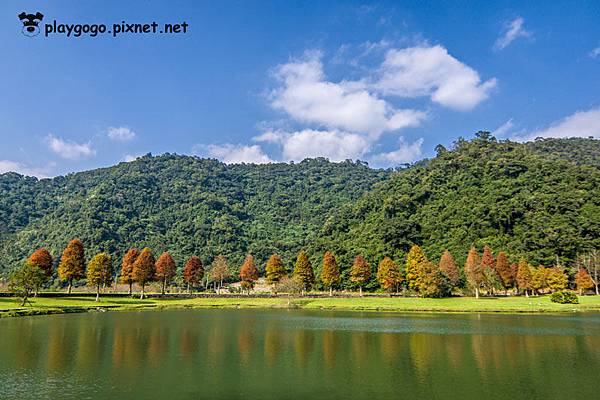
(260, 81)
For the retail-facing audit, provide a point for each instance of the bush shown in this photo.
(564, 297)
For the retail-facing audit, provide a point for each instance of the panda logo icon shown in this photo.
(30, 23)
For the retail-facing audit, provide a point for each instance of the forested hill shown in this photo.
(539, 200)
(186, 205)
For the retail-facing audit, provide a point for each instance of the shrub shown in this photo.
(564, 297)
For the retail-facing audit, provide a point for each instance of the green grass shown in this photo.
(54, 305)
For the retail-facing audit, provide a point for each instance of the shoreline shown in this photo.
(10, 307)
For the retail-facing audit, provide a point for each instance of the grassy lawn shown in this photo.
(53, 305)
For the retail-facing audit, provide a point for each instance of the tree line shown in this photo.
(482, 273)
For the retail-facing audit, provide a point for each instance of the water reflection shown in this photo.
(228, 354)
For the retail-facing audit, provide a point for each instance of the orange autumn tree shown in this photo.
(449, 269)
(360, 273)
(330, 273)
(127, 267)
(143, 269)
(193, 272)
(274, 270)
(583, 281)
(303, 271)
(491, 280)
(505, 271)
(165, 270)
(43, 260)
(248, 273)
(388, 274)
(524, 278)
(72, 263)
(474, 271)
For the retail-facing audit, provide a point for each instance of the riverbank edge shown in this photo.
(294, 303)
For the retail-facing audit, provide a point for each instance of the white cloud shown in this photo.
(130, 157)
(513, 30)
(503, 129)
(334, 145)
(121, 134)
(431, 71)
(580, 124)
(308, 98)
(235, 154)
(68, 149)
(12, 166)
(405, 153)
(595, 52)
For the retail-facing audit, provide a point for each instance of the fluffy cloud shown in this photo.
(69, 150)
(513, 30)
(431, 71)
(580, 124)
(504, 128)
(308, 98)
(595, 52)
(235, 154)
(405, 153)
(12, 166)
(334, 145)
(120, 134)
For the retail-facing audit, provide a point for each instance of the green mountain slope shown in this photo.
(540, 200)
(182, 204)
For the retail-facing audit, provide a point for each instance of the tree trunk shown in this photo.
(476, 293)
(142, 292)
(70, 286)
(360, 291)
(164, 283)
(97, 292)
(189, 288)
(330, 291)
(526, 294)
(130, 287)
(597, 292)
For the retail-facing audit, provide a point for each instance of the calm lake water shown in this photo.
(285, 354)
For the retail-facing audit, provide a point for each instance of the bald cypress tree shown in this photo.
(43, 260)
(248, 273)
(304, 271)
(360, 273)
(491, 280)
(127, 267)
(330, 272)
(388, 275)
(524, 278)
(274, 270)
(99, 272)
(415, 260)
(505, 271)
(473, 271)
(165, 270)
(193, 272)
(449, 269)
(144, 269)
(72, 263)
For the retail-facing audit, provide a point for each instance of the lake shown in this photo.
(297, 354)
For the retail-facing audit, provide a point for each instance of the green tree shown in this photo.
(165, 270)
(304, 271)
(99, 272)
(388, 275)
(330, 272)
(274, 270)
(524, 276)
(72, 263)
(127, 267)
(144, 269)
(193, 272)
(474, 271)
(25, 280)
(248, 273)
(449, 269)
(415, 260)
(360, 273)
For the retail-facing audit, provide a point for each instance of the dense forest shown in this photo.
(183, 204)
(538, 200)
